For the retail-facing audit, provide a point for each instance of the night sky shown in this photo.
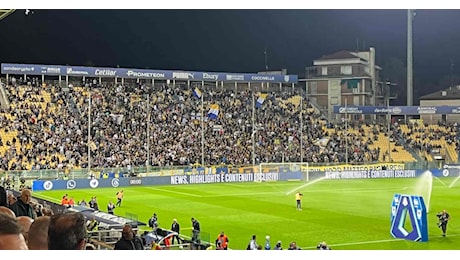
(233, 40)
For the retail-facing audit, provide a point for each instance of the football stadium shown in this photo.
(128, 158)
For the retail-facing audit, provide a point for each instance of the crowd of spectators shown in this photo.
(48, 128)
(430, 140)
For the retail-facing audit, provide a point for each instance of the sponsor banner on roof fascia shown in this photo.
(271, 78)
(397, 110)
(81, 71)
(8, 68)
(145, 74)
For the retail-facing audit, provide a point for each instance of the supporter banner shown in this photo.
(350, 167)
(80, 71)
(397, 110)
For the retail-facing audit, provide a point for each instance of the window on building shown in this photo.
(313, 87)
(356, 90)
(345, 70)
(324, 71)
(334, 101)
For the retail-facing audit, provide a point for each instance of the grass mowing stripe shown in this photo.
(176, 192)
(42, 196)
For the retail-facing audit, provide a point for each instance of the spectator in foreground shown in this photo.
(67, 231)
(323, 246)
(127, 240)
(38, 234)
(25, 222)
(22, 206)
(11, 237)
(7, 211)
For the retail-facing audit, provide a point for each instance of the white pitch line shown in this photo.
(376, 241)
(360, 243)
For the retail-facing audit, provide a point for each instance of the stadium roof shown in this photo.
(5, 12)
(446, 94)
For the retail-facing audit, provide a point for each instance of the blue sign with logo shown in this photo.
(397, 110)
(409, 208)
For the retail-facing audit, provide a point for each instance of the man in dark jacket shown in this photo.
(22, 206)
(175, 227)
(128, 240)
(196, 240)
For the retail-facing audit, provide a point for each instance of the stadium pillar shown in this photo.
(253, 134)
(388, 126)
(202, 125)
(89, 129)
(148, 132)
(346, 132)
(301, 128)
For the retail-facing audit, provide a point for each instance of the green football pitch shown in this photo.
(347, 214)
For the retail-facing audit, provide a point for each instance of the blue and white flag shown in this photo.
(197, 93)
(260, 100)
(214, 111)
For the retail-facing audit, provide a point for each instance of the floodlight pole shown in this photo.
(410, 88)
